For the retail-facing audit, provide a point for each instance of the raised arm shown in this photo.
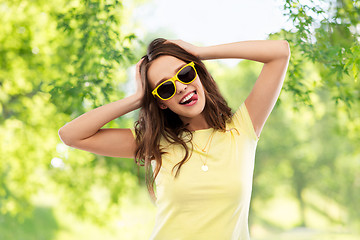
(84, 132)
(275, 55)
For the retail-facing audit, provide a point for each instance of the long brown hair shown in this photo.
(154, 123)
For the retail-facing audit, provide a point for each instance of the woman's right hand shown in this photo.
(140, 89)
(85, 132)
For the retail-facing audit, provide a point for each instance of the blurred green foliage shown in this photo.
(61, 58)
(317, 114)
(330, 39)
(309, 145)
(58, 60)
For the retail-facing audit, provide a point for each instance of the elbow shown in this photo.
(286, 47)
(63, 137)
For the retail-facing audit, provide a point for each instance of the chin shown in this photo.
(192, 111)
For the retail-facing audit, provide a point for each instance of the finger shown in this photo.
(138, 68)
(139, 63)
(171, 41)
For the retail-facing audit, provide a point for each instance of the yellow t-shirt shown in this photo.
(199, 205)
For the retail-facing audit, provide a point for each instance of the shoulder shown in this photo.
(241, 120)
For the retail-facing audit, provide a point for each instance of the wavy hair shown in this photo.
(154, 123)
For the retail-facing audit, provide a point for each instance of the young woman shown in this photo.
(198, 153)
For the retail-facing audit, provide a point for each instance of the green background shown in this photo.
(60, 59)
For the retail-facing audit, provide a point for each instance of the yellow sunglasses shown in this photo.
(167, 89)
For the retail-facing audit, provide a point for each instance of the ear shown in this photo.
(162, 106)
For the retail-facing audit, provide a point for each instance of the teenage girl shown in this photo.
(198, 153)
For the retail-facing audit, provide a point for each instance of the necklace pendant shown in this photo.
(204, 168)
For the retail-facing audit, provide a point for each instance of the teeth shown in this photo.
(188, 97)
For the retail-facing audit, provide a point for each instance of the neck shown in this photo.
(196, 123)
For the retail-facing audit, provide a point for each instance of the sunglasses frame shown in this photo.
(173, 79)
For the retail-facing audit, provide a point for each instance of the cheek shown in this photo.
(169, 103)
(200, 87)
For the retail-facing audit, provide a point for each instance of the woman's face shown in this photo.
(165, 67)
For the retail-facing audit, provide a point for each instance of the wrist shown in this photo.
(201, 53)
(136, 100)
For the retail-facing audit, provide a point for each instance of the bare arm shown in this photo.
(256, 50)
(84, 132)
(275, 55)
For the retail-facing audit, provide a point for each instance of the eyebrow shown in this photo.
(176, 70)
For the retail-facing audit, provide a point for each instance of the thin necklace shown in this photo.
(204, 167)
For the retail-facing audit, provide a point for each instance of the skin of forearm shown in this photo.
(256, 50)
(90, 122)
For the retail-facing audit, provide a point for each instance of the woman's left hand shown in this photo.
(194, 50)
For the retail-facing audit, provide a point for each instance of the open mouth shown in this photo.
(190, 99)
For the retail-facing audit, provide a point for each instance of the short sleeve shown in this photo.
(133, 132)
(241, 120)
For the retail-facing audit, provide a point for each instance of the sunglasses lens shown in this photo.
(187, 74)
(166, 90)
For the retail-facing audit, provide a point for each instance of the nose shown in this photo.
(180, 87)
